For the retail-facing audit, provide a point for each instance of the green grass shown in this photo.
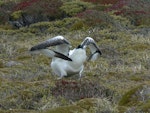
(119, 81)
(118, 73)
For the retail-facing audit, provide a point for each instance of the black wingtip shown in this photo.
(99, 52)
(39, 46)
(32, 49)
(79, 46)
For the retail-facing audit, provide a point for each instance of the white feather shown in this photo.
(61, 58)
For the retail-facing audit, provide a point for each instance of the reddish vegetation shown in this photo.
(24, 4)
(39, 6)
(118, 5)
(102, 1)
(37, 10)
(48, 10)
(136, 8)
(75, 90)
(92, 17)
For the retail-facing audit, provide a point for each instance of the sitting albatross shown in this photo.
(67, 62)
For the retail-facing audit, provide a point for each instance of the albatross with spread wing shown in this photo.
(66, 62)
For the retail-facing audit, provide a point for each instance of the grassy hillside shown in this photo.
(119, 81)
(118, 76)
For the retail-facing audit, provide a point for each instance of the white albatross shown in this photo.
(66, 62)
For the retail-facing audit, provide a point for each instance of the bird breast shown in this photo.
(78, 56)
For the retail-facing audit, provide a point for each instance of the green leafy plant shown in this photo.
(74, 7)
(102, 1)
(129, 98)
(60, 26)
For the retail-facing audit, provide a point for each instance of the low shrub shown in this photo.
(88, 14)
(60, 26)
(102, 1)
(16, 15)
(88, 105)
(76, 90)
(32, 11)
(95, 18)
(135, 10)
(74, 7)
(131, 97)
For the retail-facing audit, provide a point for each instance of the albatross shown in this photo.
(66, 62)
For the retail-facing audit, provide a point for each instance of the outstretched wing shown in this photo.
(62, 47)
(58, 40)
(95, 51)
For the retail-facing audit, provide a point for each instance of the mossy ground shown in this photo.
(121, 72)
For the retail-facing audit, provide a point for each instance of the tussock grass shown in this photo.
(32, 86)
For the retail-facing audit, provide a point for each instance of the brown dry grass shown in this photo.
(30, 85)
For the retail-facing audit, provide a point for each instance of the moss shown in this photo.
(78, 25)
(66, 109)
(16, 15)
(112, 73)
(25, 95)
(122, 109)
(4, 70)
(136, 78)
(128, 99)
(86, 103)
(43, 59)
(145, 107)
(23, 57)
(17, 111)
(1, 64)
(35, 83)
(21, 50)
(74, 7)
(135, 47)
(1, 80)
(2, 3)
(59, 26)
(3, 111)
(140, 47)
